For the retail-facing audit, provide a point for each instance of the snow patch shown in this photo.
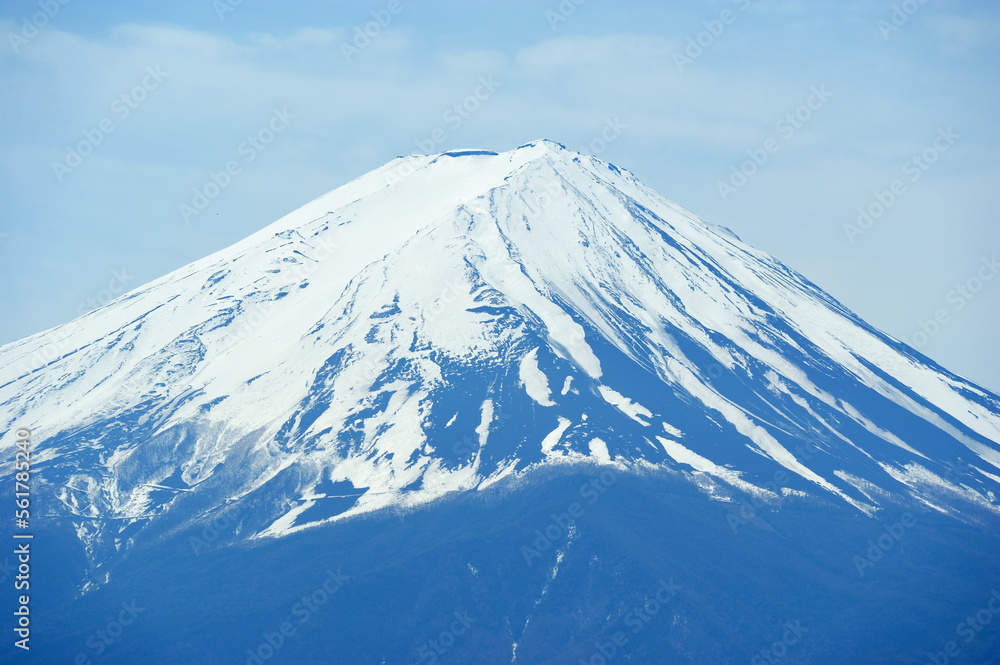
(535, 383)
(483, 430)
(672, 431)
(682, 455)
(599, 450)
(552, 438)
(631, 409)
(921, 479)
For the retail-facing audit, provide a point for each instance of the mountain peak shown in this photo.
(545, 143)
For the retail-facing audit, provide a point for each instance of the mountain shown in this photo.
(499, 403)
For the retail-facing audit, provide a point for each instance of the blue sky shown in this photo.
(844, 105)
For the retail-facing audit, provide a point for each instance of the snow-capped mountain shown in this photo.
(515, 408)
(447, 321)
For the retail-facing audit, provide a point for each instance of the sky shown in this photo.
(857, 142)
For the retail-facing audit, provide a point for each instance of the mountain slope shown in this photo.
(446, 322)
